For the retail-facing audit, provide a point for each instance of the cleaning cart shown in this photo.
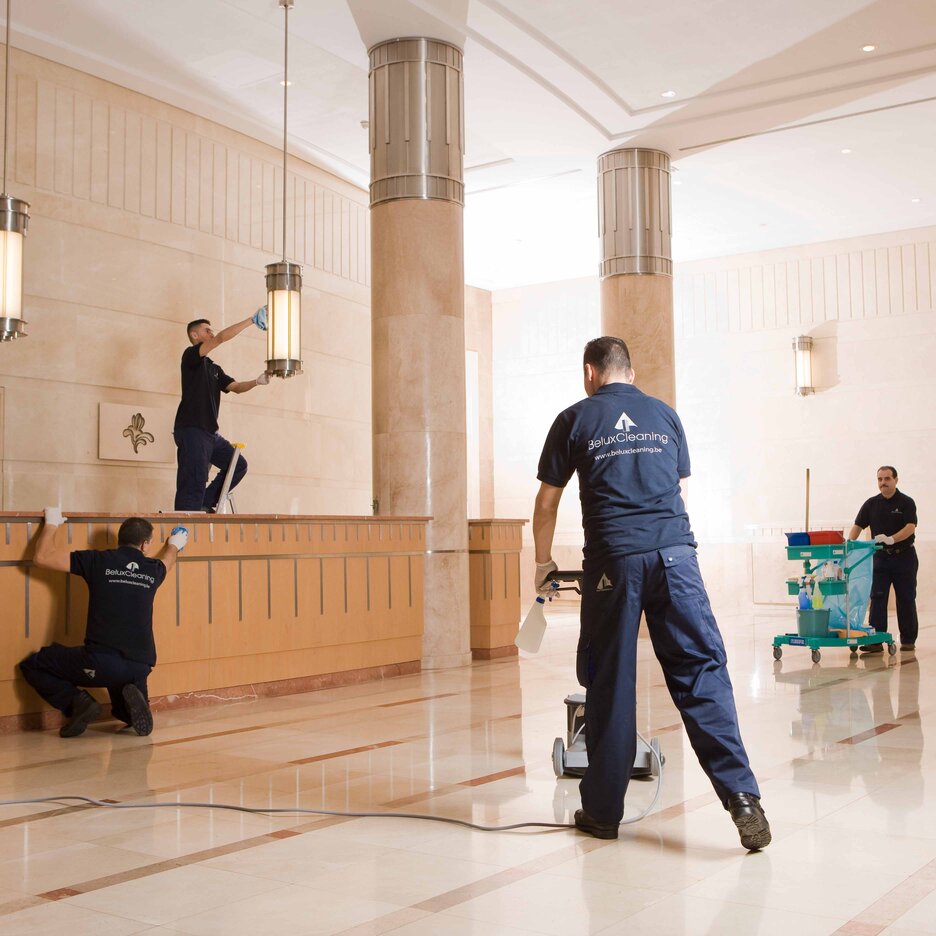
(834, 590)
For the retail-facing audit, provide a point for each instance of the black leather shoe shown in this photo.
(908, 648)
(747, 815)
(601, 830)
(141, 718)
(83, 711)
(872, 648)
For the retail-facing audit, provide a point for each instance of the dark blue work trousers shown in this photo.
(667, 587)
(56, 672)
(197, 451)
(900, 571)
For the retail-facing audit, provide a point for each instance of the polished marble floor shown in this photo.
(848, 784)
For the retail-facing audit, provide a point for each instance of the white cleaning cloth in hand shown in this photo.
(263, 379)
(542, 582)
(53, 516)
(178, 537)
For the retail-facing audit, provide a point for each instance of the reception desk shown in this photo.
(494, 586)
(256, 604)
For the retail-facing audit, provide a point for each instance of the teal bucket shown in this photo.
(813, 623)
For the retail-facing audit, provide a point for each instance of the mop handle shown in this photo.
(806, 528)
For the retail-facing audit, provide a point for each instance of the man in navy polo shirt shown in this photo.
(195, 431)
(119, 651)
(630, 453)
(892, 517)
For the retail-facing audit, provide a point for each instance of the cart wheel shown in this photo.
(892, 648)
(655, 761)
(816, 656)
(854, 651)
(559, 757)
(777, 652)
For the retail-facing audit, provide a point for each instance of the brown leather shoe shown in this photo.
(600, 830)
(872, 648)
(747, 815)
(908, 648)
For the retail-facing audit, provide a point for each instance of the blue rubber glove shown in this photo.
(259, 318)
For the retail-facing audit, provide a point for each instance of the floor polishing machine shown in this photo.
(569, 756)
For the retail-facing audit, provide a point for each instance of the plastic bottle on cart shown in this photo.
(805, 602)
(816, 597)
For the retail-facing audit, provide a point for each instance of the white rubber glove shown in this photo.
(259, 318)
(885, 540)
(53, 516)
(178, 537)
(263, 379)
(542, 581)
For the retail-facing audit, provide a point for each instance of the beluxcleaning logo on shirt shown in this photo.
(130, 575)
(625, 425)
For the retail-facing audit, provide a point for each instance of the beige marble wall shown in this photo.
(479, 338)
(144, 217)
(869, 305)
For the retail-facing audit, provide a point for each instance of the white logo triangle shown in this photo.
(625, 423)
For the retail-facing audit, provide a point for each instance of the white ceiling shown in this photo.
(768, 94)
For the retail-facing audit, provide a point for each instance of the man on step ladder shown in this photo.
(196, 435)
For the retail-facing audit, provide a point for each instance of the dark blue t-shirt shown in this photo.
(122, 586)
(630, 452)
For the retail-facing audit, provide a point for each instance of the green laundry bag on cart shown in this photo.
(851, 609)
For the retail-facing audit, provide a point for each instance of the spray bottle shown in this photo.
(805, 602)
(534, 626)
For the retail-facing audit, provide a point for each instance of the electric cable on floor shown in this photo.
(297, 810)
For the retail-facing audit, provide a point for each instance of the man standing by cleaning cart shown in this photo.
(196, 435)
(892, 517)
(630, 453)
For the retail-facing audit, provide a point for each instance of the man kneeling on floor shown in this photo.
(119, 651)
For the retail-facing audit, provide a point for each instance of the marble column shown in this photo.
(635, 227)
(418, 319)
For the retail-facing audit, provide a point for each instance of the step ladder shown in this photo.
(226, 499)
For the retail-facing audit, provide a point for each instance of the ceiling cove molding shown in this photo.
(806, 123)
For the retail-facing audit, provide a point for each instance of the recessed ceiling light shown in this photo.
(915, 200)
(868, 48)
(668, 94)
(846, 151)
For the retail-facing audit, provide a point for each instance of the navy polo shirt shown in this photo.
(122, 586)
(888, 515)
(630, 452)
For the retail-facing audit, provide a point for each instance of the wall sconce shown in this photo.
(14, 222)
(284, 279)
(802, 360)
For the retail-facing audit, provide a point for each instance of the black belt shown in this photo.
(897, 550)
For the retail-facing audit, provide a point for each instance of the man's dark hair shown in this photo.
(194, 324)
(607, 355)
(889, 468)
(134, 532)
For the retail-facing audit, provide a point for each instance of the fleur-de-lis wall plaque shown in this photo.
(134, 432)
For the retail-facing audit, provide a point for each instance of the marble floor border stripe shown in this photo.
(890, 907)
(428, 698)
(168, 864)
(348, 751)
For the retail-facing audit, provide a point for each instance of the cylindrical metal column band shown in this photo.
(635, 221)
(417, 133)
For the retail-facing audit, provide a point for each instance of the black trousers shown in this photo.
(197, 451)
(901, 572)
(57, 672)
